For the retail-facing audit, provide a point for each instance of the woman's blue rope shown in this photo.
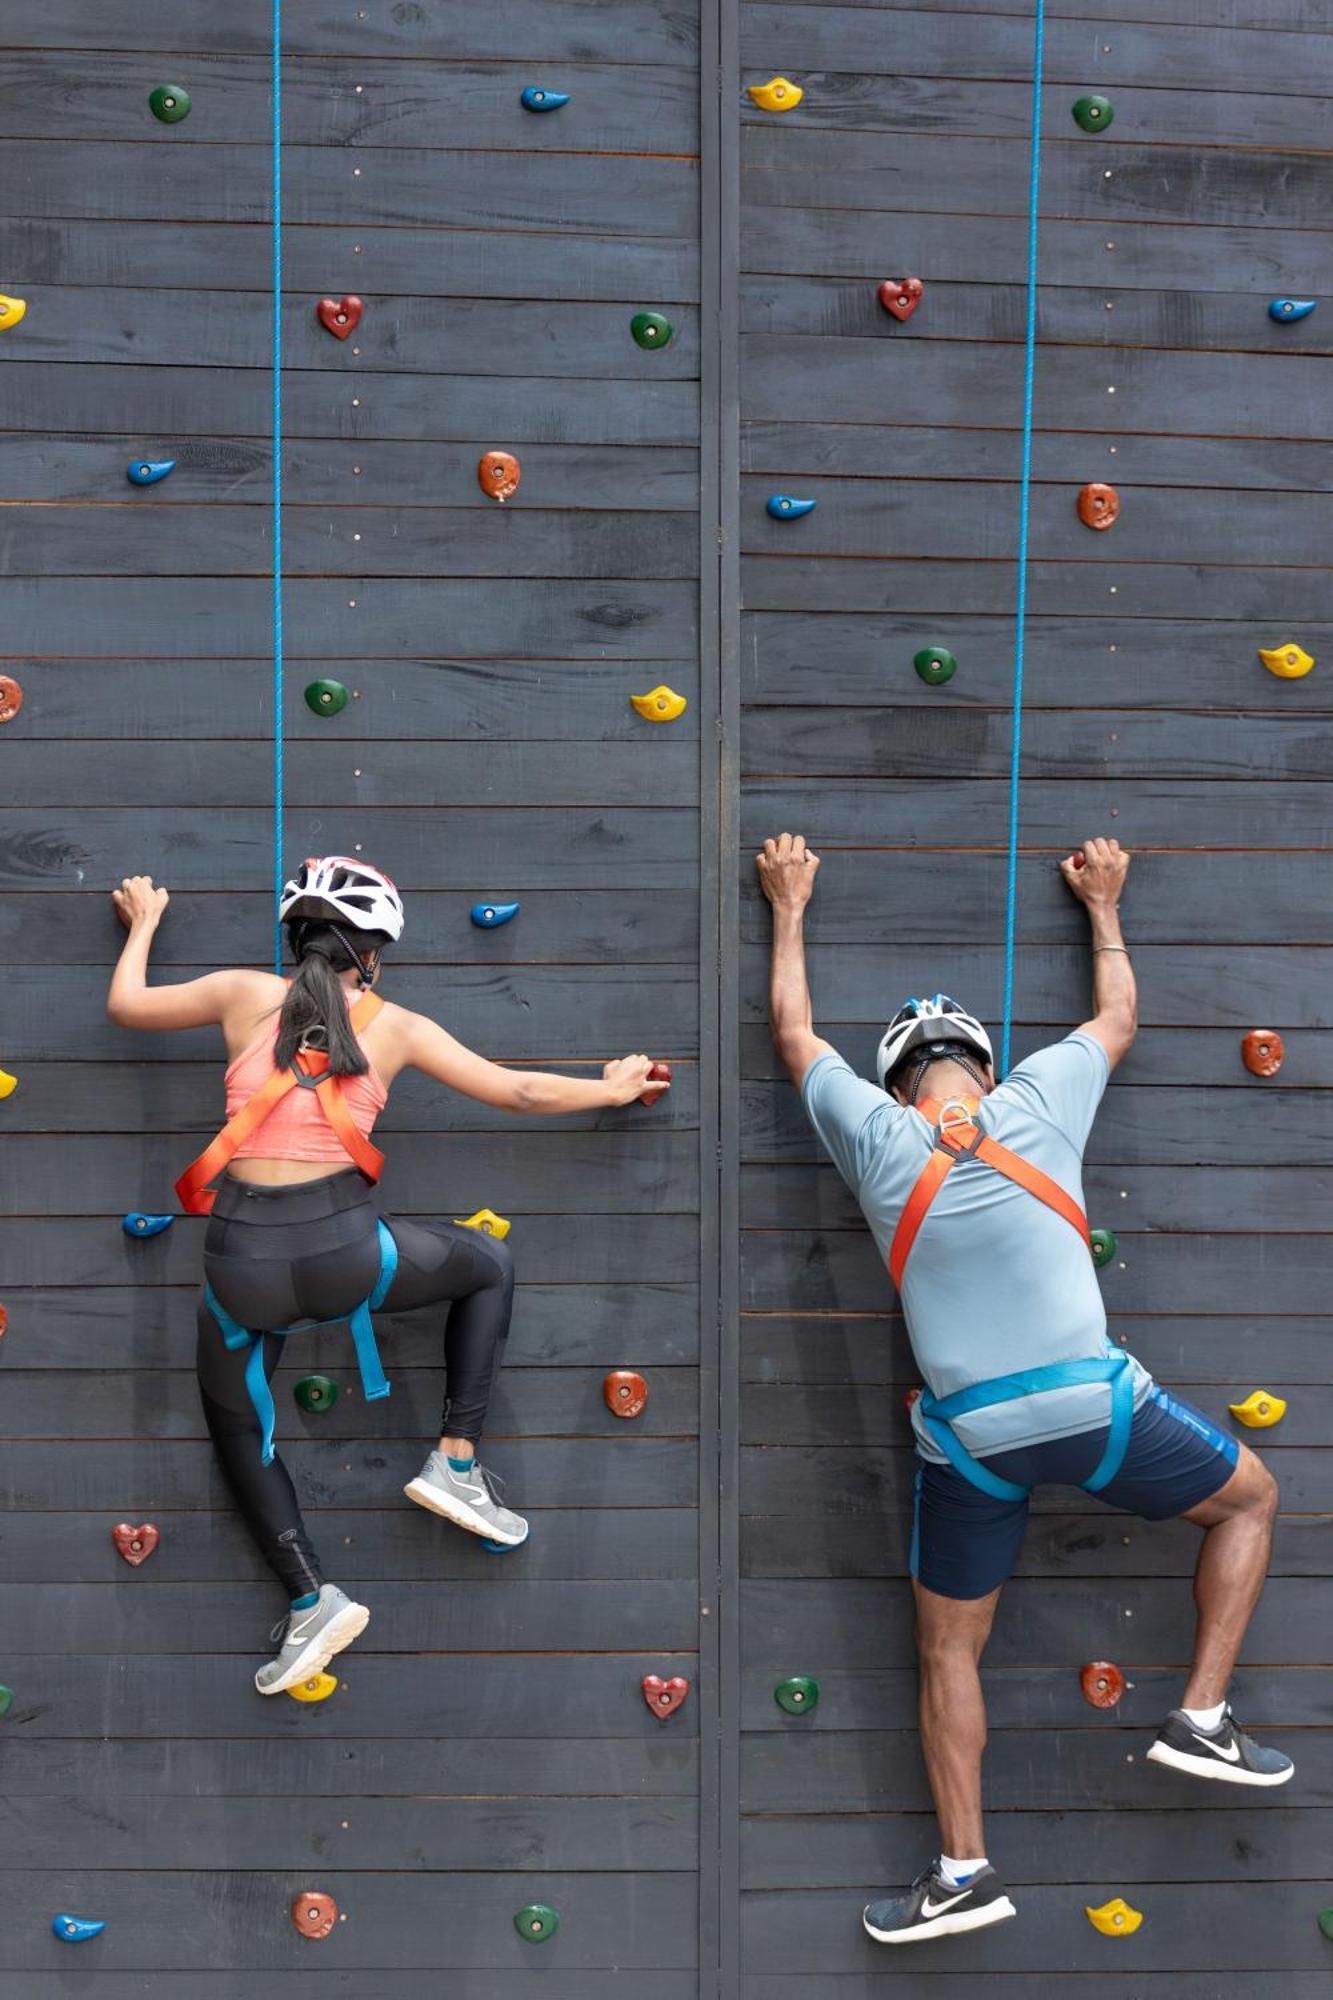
(277, 485)
(1024, 508)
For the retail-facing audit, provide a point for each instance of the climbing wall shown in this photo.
(1168, 222)
(489, 1746)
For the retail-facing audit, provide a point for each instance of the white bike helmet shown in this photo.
(929, 1025)
(333, 886)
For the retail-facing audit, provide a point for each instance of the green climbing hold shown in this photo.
(536, 1922)
(1326, 1922)
(6, 1700)
(797, 1695)
(936, 665)
(651, 329)
(1094, 114)
(316, 1394)
(1103, 1246)
(170, 102)
(326, 697)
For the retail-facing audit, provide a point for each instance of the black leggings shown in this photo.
(277, 1255)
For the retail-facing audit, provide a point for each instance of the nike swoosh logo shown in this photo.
(1230, 1754)
(929, 1909)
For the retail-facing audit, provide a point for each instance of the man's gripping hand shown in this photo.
(1096, 873)
(787, 871)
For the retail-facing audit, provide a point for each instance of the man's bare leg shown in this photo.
(951, 1635)
(1233, 1563)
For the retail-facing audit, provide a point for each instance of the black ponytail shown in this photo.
(315, 1010)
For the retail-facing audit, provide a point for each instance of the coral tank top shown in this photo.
(296, 1128)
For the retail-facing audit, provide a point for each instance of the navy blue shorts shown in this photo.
(965, 1543)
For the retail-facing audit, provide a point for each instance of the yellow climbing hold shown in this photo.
(8, 1084)
(1114, 1919)
(487, 1221)
(318, 1688)
(660, 704)
(11, 311)
(778, 94)
(1289, 663)
(1259, 1410)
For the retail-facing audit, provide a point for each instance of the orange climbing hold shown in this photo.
(625, 1393)
(1102, 1683)
(314, 1913)
(1262, 1051)
(11, 698)
(498, 474)
(4, 1322)
(659, 1073)
(1098, 506)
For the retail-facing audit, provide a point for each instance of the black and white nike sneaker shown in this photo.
(933, 1907)
(1225, 1754)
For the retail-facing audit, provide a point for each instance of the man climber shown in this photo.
(973, 1193)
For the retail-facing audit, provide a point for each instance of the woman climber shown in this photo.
(295, 1236)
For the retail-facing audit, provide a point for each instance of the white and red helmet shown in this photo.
(329, 887)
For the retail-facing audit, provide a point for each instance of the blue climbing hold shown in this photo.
(490, 916)
(1285, 309)
(505, 1548)
(534, 99)
(147, 471)
(76, 1930)
(136, 1224)
(783, 508)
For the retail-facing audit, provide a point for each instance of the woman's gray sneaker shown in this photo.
(309, 1639)
(469, 1499)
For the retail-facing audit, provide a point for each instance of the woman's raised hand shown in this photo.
(138, 903)
(627, 1076)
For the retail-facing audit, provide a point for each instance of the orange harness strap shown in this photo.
(960, 1138)
(196, 1197)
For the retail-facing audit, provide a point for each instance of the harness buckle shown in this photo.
(954, 1116)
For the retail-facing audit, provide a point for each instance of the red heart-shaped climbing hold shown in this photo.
(339, 315)
(660, 1072)
(664, 1697)
(135, 1544)
(901, 296)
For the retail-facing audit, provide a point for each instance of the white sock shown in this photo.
(1206, 1719)
(958, 1873)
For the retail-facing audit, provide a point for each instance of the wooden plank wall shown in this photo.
(489, 1745)
(1148, 716)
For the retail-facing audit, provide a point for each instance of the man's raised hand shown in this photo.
(787, 871)
(1096, 873)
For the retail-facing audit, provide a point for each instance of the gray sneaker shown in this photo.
(309, 1639)
(469, 1499)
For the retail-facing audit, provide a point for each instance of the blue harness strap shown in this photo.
(374, 1383)
(938, 1412)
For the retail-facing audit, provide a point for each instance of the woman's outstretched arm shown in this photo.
(132, 1002)
(431, 1048)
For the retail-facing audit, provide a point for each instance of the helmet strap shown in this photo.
(925, 1062)
(367, 968)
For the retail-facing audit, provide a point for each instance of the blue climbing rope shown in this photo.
(1024, 511)
(277, 484)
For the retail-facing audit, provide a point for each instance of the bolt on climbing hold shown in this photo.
(326, 697)
(658, 1072)
(318, 1688)
(1094, 114)
(1289, 309)
(1325, 1922)
(314, 1913)
(138, 1224)
(651, 329)
(135, 1544)
(11, 311)
(783, 507)
(797, 1695)
(1103, 1246)
(901, 296)
(536, 99)
(170, 102)
(935, 665)
(490, 916)
(498, 474)
(664, 1697)
(11, 698)
(488, 1222)
(1259, 1410)
(1262, 1051)
(316, 1394)
(1114, 1919)
(625, 1393)
(1289, 662)
(1098, 506)
(778, 94)
(660, 704)
(8, 1084)
(76, 1930)
(6, 1700)
(1102, 1683)
(536, 1922)
(147, 471)
(340, 316)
